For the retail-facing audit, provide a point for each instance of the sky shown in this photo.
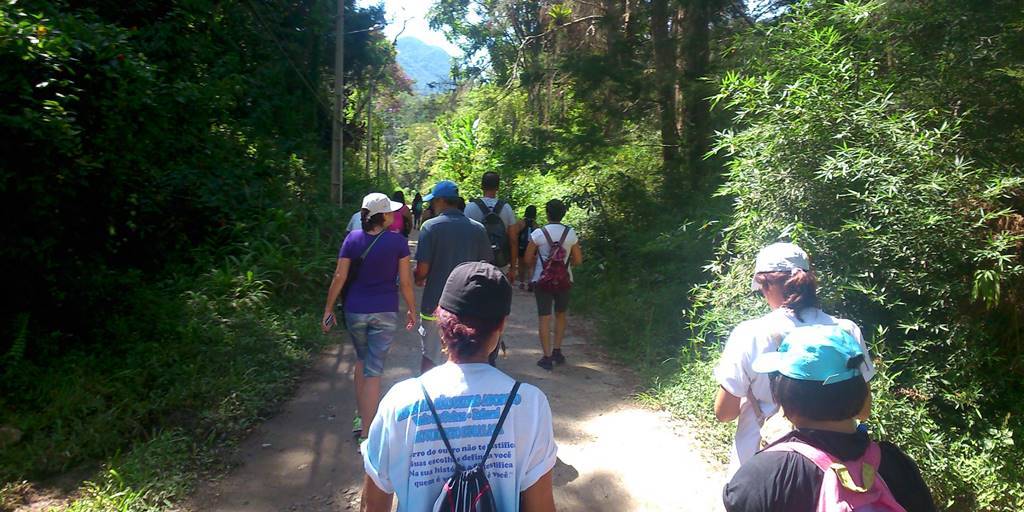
(413, 14)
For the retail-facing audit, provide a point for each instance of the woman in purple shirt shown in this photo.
(374, 263)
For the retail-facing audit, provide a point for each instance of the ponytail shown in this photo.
(800, 291)
(799, 288)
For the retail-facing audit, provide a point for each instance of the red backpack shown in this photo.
(849, 486)
(554, 275)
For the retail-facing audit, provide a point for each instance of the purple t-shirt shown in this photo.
(375, 289)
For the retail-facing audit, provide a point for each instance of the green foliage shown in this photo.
(163, 171)
(213, 374)
(132, 134)
(908, 234)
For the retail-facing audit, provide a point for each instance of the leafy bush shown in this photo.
(215, 372)
(911, 238)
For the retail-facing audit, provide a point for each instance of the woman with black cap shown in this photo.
(406, 452)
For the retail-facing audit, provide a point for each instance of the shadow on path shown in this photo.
(613, 455)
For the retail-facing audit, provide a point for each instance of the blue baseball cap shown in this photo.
(814, 352)
(444, 189)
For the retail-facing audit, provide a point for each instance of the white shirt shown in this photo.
(356, 222)
(507, 215)
(404, 454)
(734, 373)
(544, 250)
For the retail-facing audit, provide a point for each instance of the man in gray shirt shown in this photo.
(478, 209)
(445, 241)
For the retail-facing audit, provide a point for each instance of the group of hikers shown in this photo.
(466, 436)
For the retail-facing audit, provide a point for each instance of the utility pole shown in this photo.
(369, 124)
(338, 125)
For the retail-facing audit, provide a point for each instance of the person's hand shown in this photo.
(421, 282)
(410, 320)
(328, 321)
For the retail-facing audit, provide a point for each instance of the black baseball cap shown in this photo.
(477, 289)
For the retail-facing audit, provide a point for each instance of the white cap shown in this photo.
(379, 203)
(780, 257)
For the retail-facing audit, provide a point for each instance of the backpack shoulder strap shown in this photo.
(873, 455)
(821, 459)
(499, 206)
(479, 202)
(754, 404)
(440, 429)
(565, 234)
(501, 421)
(776, 339)
(544, 229)
(367, 250)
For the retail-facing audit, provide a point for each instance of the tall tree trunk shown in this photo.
(695, 107)
(665, 73)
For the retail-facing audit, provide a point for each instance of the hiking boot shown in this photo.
(546, 363)
(557, 357)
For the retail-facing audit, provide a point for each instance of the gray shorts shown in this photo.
(545, 300)
(430, 341)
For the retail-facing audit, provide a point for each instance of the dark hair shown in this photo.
(371, 222)
(418, 198)
(460, 203)
(555, 209)
(490, 181)
(398, 196)
(465, 336)
(799, 288)
(531, 212)
(813, 400)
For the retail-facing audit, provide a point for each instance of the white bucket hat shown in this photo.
(379, 203)
(779, 257)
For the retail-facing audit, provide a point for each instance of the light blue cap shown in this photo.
(444, 189)
(813, 352)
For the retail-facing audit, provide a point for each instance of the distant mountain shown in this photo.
(423, 63)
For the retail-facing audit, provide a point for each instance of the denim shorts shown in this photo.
(372, 334)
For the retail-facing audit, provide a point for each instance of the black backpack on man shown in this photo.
(497, 231)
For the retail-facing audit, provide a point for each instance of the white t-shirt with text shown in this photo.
(734, 373)
(544, 249)
(404, 453)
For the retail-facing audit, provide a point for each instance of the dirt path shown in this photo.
(613, 455)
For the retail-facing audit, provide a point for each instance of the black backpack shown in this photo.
(497, 231)
(468, 490)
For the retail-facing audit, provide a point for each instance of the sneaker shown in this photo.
(557, 357)
(357, 425)
(546, 363)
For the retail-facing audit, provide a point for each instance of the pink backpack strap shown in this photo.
(821, 459)
(873, 456)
